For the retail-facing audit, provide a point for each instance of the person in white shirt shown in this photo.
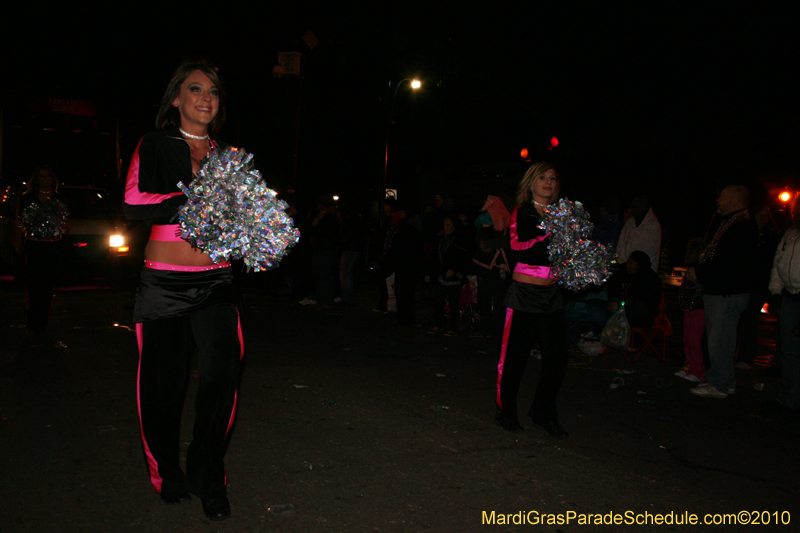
(784, 286)
(641, 232)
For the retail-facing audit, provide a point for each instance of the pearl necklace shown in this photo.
(537, 203)
(198, 137)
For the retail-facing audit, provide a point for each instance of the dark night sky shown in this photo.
(673, 101)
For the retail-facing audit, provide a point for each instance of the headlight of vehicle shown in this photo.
(116, 241)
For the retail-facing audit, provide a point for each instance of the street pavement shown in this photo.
(347, 422)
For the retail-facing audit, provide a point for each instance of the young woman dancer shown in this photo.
(184, 299)
(534, 309)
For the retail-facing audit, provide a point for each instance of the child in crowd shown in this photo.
(690, 297)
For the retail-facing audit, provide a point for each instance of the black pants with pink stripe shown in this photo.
(165, 346)
(522, 329)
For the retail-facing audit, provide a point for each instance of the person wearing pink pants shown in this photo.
(694, 325)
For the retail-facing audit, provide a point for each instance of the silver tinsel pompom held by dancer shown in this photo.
(48, 221)
(231, 214)
(577, 261)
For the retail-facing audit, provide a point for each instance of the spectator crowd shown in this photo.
(459, 262)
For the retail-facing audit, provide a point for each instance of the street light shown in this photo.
(415, 84)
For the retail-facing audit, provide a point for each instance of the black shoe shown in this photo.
(509, 423)
(175, 498)
(217, 509)
(553, 428)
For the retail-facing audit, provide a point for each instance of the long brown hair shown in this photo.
(169, 116)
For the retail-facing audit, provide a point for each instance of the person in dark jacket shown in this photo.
(324, 231)
(449, 266)
(609, 227)
(383, 239)
(639, 287)
(404, 257)
(353, 241)
(725, 271)
(490, 262)
(766, 244)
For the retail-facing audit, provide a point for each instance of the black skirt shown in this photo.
(169, 294)
(532, 298)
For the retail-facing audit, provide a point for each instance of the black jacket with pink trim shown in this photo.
(528, 242)
(161, 160)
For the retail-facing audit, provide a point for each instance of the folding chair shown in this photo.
(649, 336)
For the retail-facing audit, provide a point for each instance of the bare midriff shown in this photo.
(176, 253)
(533, 280)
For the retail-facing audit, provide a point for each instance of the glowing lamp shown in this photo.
(554, 142)
(523, 153)
(784, 196)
